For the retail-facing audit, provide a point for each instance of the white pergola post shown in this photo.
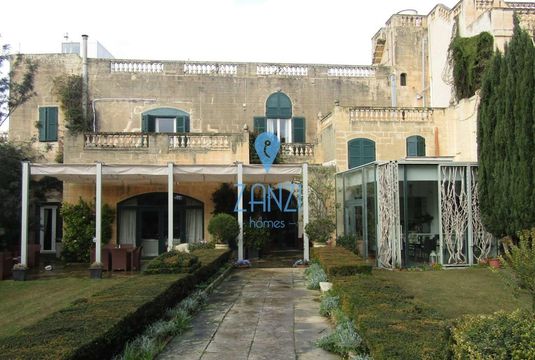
(24, 215)
(240, 212)
(170, 210)
(306, 255)
(98, 213)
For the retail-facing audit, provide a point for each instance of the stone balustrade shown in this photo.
(484, 4)
(390, 114)
(524, 6)
(352, 71)
(285, 70)
(136, 67)
(199, 141)
(116, 141)
(297, 150)
(210, 69)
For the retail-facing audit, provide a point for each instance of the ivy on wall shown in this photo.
(69, 90)
(470, 57)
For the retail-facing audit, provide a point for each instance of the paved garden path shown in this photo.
(256, 314)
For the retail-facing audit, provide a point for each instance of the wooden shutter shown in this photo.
(180, 124)
(360, 152)
(298, 131)
(186, 124)
(52, 124)
(42, 124)
(145, 123)
(421, 146)
(259, 124)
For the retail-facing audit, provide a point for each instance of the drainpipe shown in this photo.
(85, 80)
(393, 88)
(424, 43)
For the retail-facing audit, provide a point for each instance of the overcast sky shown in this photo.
(306, 31)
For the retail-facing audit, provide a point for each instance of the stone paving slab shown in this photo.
(256, 314)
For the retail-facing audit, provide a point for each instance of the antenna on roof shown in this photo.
(66, 37)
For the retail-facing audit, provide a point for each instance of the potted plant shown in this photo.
(19, 272)
(95, 270)
(320, 230)
(494, 263)
(254, 240)
(224, 229)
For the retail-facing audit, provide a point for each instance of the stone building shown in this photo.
(197, 116)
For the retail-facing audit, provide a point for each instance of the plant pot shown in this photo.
(325, 286)
(495, 263)
(222, 246)
(95, 273)
(19, 274)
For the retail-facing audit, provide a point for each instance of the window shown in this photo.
(403, 79)
(360, 152)
(415, 146)
(48, 124)
(165, 120)
(279, 120)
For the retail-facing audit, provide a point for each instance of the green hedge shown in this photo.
(98, 327)
(173, 262)
(338, 261)
(391, 323)
(499, 336)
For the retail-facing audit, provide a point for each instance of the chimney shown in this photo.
(85, 79)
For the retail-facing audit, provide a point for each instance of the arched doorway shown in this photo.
(142, 221)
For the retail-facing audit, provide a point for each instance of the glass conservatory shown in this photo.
(412, 212)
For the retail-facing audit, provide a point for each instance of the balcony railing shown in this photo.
(199, 141)
(390, 114)
(297, 150)
(116, 140)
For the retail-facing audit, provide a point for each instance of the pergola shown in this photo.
(171, 173)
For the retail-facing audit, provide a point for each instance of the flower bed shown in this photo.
(338, 261)
(98, 327)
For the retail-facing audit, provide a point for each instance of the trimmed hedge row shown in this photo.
(98, 327)
(391, 323)
(338, 261)
(173, 262)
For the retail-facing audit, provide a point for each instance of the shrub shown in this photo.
(224, 228)
(329, 303)
(173, 262)
(315, 274)
(338, 261)
(498, 336)
(99, 327)
(343, 340)
(320, 230)
(348, 242)
(79, 229)
(254, 237)
(391, 323)
(201, 245)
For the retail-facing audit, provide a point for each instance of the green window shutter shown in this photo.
(186, 124)
(360, 152)
(145, 123)
(421, 146)
(259, 124)
(415, 146)
(299, 128)
(42, 123)
(278, 106)
(52, 124)
(180, 124)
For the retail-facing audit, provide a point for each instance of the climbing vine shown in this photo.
(469, 58)
(69, 90)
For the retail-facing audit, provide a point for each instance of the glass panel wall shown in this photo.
(371, 212)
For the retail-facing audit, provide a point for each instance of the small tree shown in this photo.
(521, 260)
(320, 230)
(15, 93)
(79, 229)
(224, 228)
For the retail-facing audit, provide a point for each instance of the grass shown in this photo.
(454, 293)
(23, 303)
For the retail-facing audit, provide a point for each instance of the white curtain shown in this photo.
(272, 125)
(194, 225)
(128, 226)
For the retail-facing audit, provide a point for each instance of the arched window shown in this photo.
(403, 79)
(360, 152)
(415, 146)
(165, 120)
(278, 120)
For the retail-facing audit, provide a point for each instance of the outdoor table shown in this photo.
(121, 257)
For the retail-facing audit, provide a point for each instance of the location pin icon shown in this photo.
(267, 146)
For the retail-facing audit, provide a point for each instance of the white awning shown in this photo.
(136, 173)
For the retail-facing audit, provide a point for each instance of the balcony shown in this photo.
(157, 148)
(297, 152)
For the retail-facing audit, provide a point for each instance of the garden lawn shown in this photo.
(25, 302)
(458, 292)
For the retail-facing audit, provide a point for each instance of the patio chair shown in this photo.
(136, 258)
(120, 259)
(430, 244)
(34, 250)
(104, 257)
